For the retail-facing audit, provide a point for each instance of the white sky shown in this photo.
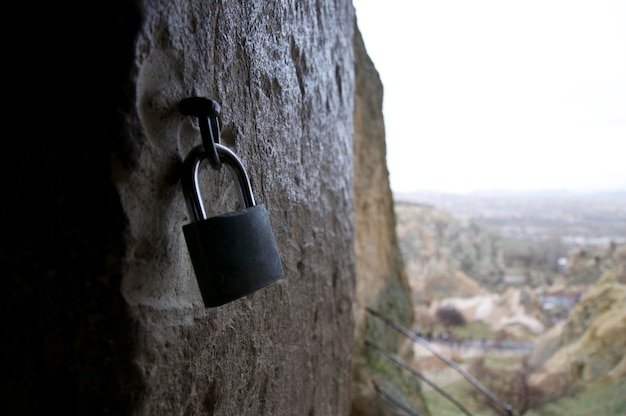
(501, 94)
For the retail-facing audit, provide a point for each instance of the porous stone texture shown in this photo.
(381, 281)
(284, 74)
(103, 312)
(376, 246)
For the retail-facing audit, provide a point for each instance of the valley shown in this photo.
(491, 270)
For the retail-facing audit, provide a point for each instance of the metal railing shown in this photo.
(419, 375)
(424, 343)
(394, 400)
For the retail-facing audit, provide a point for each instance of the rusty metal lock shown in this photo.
(233, 254)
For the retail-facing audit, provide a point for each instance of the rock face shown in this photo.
(284, 75)
(589, 346)
(446, 256)
(585, 266)
(381, 280)
(106, 314)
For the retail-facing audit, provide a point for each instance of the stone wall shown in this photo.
(103, 312)
(283, 72)
(96, 205)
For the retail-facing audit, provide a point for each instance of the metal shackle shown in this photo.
(191, 166)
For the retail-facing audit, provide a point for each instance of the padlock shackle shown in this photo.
(191, 166)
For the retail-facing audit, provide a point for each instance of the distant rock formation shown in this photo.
(446, 256)
(590, 345)
(516, 312)
(586, 265)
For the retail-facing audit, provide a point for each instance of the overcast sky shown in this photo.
(501, 94)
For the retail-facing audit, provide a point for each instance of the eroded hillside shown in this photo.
(589, 346)
(572, 318)
(445, 256)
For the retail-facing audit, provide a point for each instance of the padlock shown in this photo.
(233, 254)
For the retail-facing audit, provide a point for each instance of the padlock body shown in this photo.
(233, 254)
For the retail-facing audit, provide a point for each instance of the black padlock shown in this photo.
(233, 254)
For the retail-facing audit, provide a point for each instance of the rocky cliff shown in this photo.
(586, 265)
(107, 317)
(381, 281)
(589, 346)
(446, 256)
(284, 74)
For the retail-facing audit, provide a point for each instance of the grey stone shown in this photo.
(283, 73)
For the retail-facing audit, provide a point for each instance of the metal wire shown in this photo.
(419, 375)
(386, 395)
(507, 407)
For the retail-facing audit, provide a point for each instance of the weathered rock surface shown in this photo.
(106, 318)
(586, 265)
(446, 256)
(381, 282)
(284, 75)
(590, 345)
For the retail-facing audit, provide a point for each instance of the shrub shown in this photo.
(450, 316)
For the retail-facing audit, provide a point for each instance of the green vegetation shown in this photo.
(539, 257)
(394, 303)
(440, 406)
(535, 261)
(475, 330)
(606, 399)
(397, 382)
(468, 330)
